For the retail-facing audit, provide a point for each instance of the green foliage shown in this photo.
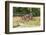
(26, 10)
(36, 11)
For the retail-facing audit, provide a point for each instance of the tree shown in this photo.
(26, 10)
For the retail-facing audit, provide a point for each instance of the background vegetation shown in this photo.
(26, 10)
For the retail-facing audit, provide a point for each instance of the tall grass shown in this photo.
(17, 21)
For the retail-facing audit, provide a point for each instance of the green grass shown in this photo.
(23, 23)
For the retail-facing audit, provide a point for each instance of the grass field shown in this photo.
(17, 21)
